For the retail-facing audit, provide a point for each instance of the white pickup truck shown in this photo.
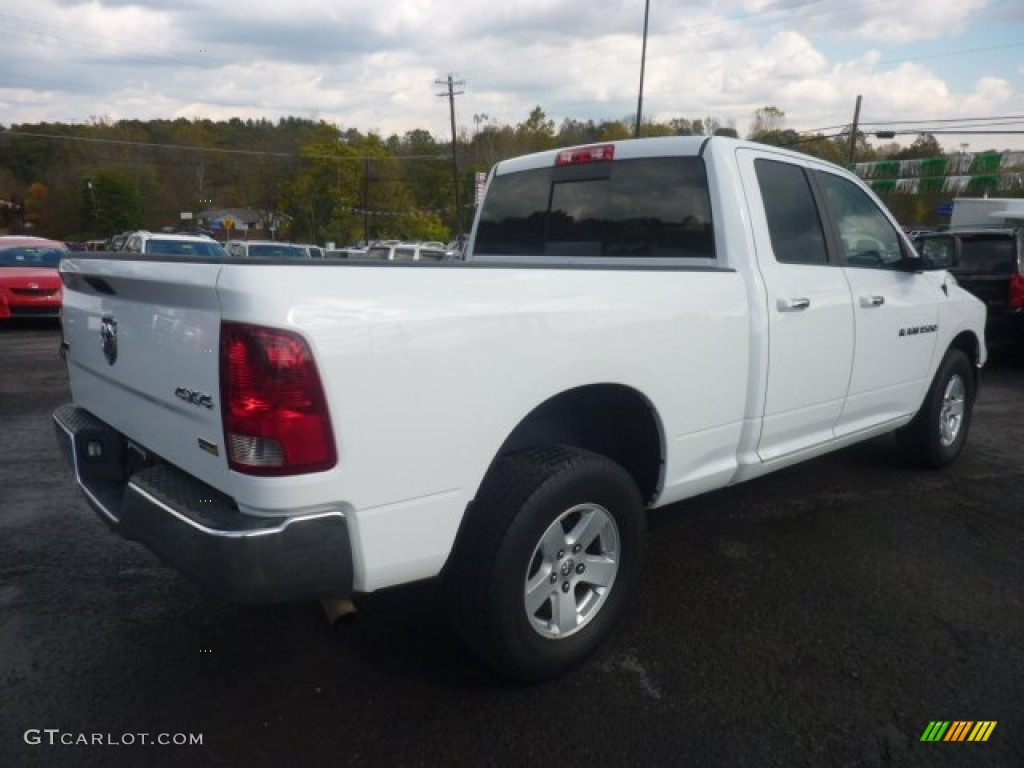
(634, 323)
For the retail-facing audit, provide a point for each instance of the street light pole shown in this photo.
(643, 62)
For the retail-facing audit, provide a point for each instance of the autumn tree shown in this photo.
(11, 193)
(36, 201)
(767, 119)
(925, 145)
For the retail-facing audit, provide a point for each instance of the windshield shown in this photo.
(31, 256)
(184, 248)
(275, 251)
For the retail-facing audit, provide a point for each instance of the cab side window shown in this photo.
(867, 236)
(793, 223)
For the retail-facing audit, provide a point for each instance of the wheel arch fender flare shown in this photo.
(615, 420)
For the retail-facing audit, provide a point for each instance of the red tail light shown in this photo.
(273, 404)
(1017, 291)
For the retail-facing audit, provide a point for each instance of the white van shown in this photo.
(405, 252)
(265, 249)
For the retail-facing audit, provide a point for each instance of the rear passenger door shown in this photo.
(809, 306)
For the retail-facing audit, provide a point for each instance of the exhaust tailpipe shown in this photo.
(338, 610)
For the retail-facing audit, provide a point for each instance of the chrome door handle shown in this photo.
(792, 305)
(872, 301)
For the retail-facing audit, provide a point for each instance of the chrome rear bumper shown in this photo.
(200, 531)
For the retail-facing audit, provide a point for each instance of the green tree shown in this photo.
(768, 127)
(767, 119)
(651, 130)
(329, 181)
(111, 202)
(681, 126)
(573, 132)
(537, 132)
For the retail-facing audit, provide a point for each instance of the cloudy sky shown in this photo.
(373, 66)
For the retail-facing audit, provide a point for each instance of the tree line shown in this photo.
(326, 182)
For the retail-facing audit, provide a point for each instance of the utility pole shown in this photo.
(451, 93)
(643, 62)
(366, 200)
(853, 129)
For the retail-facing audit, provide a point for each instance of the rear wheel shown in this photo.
(547, 560)
(938, 432)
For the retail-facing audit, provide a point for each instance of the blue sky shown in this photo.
(373, 66)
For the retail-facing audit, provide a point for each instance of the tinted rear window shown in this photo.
(404, 254)
(380, 253)
(989, 254)
(650, 208)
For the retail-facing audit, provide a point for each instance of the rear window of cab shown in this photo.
(641, 208)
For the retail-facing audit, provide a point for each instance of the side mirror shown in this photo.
(928, 259)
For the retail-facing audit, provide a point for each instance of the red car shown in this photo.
(29, 281)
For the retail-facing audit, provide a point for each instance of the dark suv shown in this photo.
(990, 264)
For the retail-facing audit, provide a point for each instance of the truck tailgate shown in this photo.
(142, 353)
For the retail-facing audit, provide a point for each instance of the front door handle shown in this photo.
(872, 301)
(793, 305)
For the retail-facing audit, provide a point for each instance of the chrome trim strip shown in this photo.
(229, 534)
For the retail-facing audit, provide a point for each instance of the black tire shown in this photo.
(938, 432)
(506, 556)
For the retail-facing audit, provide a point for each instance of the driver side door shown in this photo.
(896, 311)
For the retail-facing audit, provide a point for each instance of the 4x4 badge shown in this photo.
(194, 397)
(108, 334)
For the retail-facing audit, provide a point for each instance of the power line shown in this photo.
(964, 133)
(983, 120)
(943, 120)
(944, 54)
(198, 148)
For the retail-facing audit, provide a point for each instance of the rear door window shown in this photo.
(793, 222)
(646, 208)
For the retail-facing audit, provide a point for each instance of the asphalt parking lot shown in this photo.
(822, 616)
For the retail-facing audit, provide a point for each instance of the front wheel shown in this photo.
(938, 432)
(547, 560)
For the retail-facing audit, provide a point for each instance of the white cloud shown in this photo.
(885, 21)
(373, 66)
